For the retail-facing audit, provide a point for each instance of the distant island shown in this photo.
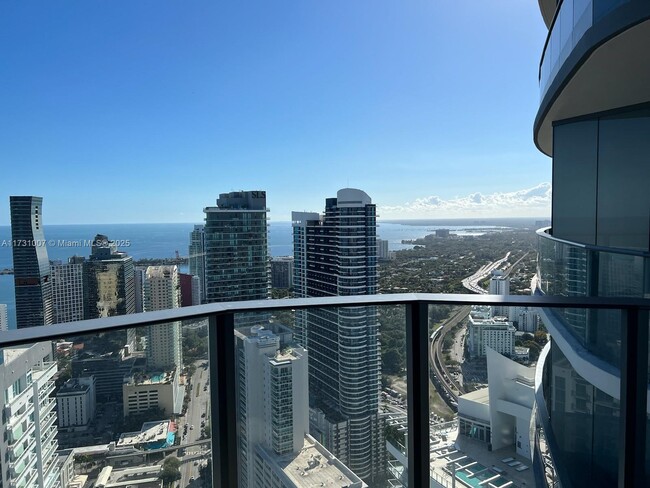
(511, 222)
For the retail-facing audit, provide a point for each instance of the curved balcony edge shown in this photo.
(545, 233)
(544, 420)
(571, 90)
(596, 371)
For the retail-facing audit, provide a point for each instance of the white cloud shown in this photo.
(530, 202)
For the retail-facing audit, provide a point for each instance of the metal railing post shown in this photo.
(221, 334)
(633, 404)
(417, 392)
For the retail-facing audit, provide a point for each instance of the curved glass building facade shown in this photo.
(594, 121)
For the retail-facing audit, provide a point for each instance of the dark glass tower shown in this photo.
(32, 275)
(236, 248)
(336, 255)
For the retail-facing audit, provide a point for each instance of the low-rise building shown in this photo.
(153, 435)
(494, 332)
(144, 391)
(75, 402)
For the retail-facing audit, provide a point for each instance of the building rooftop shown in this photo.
(479, 396)
(494, 321)
(144, 477)
(315, 466)
(155, 378)
(74, 386)
(151, 435)
(481, 312)
(161, 271)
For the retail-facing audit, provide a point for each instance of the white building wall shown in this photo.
(76, 404)
(261, 356)
(29, 443)
(527, 319)
(511, 389)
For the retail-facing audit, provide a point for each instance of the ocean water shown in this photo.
(163, 240)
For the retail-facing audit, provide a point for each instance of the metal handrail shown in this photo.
(221, 327)
(548, 37)
(58, 331)
(545, 233)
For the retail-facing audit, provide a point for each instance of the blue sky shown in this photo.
(144, 111)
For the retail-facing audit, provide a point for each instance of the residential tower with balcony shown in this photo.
(593, 121)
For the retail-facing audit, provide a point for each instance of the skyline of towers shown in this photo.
(32, 275)
(336, 255)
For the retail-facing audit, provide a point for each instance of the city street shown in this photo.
(197, 412)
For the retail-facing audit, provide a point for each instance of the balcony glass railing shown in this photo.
(577, 270)
(397, 392)
(572, 19)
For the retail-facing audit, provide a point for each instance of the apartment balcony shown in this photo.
(20, 469)
(591, 339)
(585, 65)
(18, 402)
(581, 375)
(413, 314)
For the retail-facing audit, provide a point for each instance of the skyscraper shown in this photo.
(109, 283)
(162, 291)
(272, 396)
(236, 248)
(67, 290)
(197, 257)
(32, 276)
(593, 121)
(336, 254)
